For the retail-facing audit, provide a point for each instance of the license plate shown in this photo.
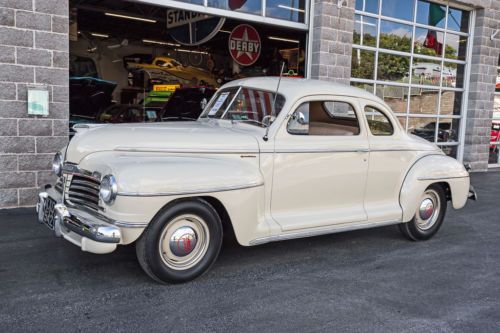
(49, 212)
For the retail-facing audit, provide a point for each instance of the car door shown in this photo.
(320, 165)
(390, 159)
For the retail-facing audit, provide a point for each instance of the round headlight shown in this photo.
(57, 164)
(108, 189)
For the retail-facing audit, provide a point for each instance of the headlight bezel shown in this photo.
(108, 189)
(57, 164)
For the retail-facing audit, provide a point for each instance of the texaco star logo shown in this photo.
(244, 45)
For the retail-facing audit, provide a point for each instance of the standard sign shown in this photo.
(244, 45)
(177, 18)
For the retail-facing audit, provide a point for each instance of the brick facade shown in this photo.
(33, 50)
(484, 63)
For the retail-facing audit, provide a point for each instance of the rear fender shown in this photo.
(432, 169)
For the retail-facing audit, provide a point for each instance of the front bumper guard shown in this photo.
(96, 233)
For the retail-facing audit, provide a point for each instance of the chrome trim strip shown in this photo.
(162, 194)
(340, 150)
(441, 178)
(321, 231)
(186, 151)
(131, 224)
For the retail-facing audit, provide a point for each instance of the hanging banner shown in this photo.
(244, 45)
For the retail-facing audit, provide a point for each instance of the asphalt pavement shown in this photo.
(363, 281)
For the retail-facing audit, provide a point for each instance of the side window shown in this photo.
(324, 118)
(378, 122)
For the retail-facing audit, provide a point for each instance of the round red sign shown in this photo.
(244, 44)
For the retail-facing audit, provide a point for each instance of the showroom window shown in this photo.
(413, 54)
(289, 10)
(494, 159)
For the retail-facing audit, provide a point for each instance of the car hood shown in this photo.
(170, 137)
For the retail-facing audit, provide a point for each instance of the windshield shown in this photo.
(246, 105)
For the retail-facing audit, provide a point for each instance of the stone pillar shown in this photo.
(33, 50)
(332, 34)
(485, 53)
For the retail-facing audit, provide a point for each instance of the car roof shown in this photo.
(295, 87)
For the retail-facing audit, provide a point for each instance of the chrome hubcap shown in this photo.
(184, 242)
(428, 212)
(426, 209)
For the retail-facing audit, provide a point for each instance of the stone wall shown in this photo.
(484, 60)
(33, 50)
(332, 35)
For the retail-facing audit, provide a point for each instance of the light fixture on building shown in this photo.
(95, 34)
(127, 17)
(292, 8)
(284, 39)
(150, 41)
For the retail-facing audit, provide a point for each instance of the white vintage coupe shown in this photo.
(268, 159)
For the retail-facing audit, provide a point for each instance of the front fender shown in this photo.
(138, 174)
(429, 170)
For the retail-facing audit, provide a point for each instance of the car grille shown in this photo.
(83, 191)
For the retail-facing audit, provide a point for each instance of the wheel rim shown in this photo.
(184, 242)
(428, 210)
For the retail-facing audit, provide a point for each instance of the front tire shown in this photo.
(429, 215)
(181, 243)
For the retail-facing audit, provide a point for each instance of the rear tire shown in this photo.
(429, 216)
(181, 243)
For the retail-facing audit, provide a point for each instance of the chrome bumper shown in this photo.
(472, 193)
(92, 233)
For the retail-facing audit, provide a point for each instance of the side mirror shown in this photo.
(268, 120)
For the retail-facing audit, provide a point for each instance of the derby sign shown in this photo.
(244, 45)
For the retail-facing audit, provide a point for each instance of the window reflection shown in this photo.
(365, 30)
(451, 102)
(370, 6)
(393, 67)
(401, 9)
(423, 127)
(448, 130)
(395, 96)
(365, 86)
(244, 6)
(430, 13)
(362, 64)
(458, 20)
(456, 47)
(426, 72)
(395, 36)
(291, 10)
(450, 150)
(453, 75)
(424, 101)
(428, 42)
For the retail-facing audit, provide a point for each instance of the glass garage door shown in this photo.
(413, 54)
(494, 159)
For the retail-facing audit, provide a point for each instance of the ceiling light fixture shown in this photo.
(292, 9)
(130, 17)
(284, 39)
(95, 34)
(190, 51)
(150, 41)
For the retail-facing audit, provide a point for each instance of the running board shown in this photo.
(320, 231)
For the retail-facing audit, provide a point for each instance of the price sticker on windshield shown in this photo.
(222, 98)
